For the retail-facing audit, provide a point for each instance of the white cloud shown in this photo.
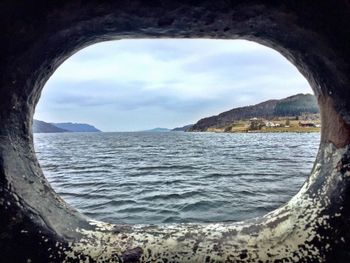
(177, 76)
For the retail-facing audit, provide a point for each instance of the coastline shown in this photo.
(269, 130)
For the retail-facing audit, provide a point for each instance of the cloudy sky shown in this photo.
(130, 85)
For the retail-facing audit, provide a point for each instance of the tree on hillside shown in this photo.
(256, 124)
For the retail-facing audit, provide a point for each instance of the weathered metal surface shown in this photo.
(38, 226)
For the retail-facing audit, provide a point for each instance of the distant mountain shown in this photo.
(291, 106)
(184, 128)
(44, 127)
(76, 127)
(158, 130)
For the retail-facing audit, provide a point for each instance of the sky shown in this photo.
(132, 85)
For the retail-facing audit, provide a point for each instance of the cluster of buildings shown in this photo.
(257, 124)
(271, 124)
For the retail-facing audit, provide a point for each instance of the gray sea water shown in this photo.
(176, 176)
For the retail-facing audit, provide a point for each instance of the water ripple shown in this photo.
(176, 177)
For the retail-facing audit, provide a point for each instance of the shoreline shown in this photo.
(275, 130)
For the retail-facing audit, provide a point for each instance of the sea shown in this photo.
(176, 177)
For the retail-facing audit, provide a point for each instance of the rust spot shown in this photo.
(132, 255)
(243, 255)
(334, 128)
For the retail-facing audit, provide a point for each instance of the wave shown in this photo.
(176, 177)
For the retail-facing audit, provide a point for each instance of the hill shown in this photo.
(158, 130)
(76, 127)
(184, 128)
(297, 105)
(44, 127)
(291, 106)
